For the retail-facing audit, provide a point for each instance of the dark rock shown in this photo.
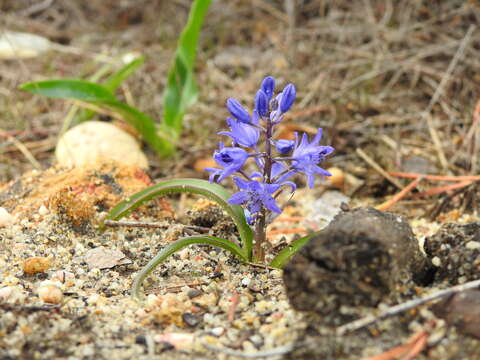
(462, 311)
(455, 249)
(361, 257)
(190, 319)
(193, 293)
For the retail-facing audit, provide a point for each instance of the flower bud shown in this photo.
(268, 85)
(238, 111)
(288, 97)
(261, 103)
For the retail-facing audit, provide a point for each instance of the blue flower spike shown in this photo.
(238, 111)
(241, 133)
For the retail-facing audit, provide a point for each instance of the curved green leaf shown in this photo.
(70, 89)
(213, 192)
(286, 254)
(181, 91)
(176, 246)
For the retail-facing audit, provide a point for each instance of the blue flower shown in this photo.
(288, 97)
(306, 156)
(238, 111)
(255, 195)
(241, 133)
(261, 103)
(284, 146)
(268, 85)
(230, 158)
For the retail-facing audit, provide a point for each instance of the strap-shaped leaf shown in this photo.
(181, 90)
(177, 246)
(119, 76)
(213, 192)
(70, 89)
(286, 254)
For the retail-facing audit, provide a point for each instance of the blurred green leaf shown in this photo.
(181, 91)
(70, 89)
(177, 246)
(213, 192)
(287, 253)
(99, 95)
(119, 76)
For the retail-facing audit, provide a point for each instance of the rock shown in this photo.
(36, 265)
(462, 311)
(97, 141)
(453, 249)
(193, 293)
(6, 219)
(357, 260)
(50, 294)
(190, 319)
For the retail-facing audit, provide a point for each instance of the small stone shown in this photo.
(217, 331)
(63, 276)
(6, 219)
(246, 281)
(43, 210)
(36, 265)
(193, 293)
(472, 245)
(436, 261)
(190, 319)
(5, 292)
(50, 294)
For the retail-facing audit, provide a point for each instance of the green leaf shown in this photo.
(181, 91)
(213, 192)
(176, 246)
(70, 89)
(118, 77)
(143, 123)
(286, 254)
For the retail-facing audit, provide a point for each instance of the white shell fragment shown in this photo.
(103, 258)
(96, 141)
(6, 218)
(18, 45)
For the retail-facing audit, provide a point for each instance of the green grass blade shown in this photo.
(213, 192)
(181, 91)
(286, 254)
(176, 246)
(119, 76)
(70, 89)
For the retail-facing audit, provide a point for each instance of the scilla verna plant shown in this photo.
(276, 161)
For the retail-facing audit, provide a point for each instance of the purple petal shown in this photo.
(261, 103)
(238, 111)
(271, 205)
(238, 198)
(268, 86)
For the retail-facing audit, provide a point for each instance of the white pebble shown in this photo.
(5, 292)
(436, 261)
(50, 294)
(217, 331)
(6, 219)
(472, 245)
(43, 210)
(246, 281)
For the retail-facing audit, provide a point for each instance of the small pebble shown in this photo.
(6, 219)
(193, 293)
(472, 245)
(190, 319)
(35, 265)
(5, 292)
(436, 261)
(50, 294)
(246, 281)
(43, 210)
(218, 331)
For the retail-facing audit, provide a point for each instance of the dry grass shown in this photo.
(375, 65)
